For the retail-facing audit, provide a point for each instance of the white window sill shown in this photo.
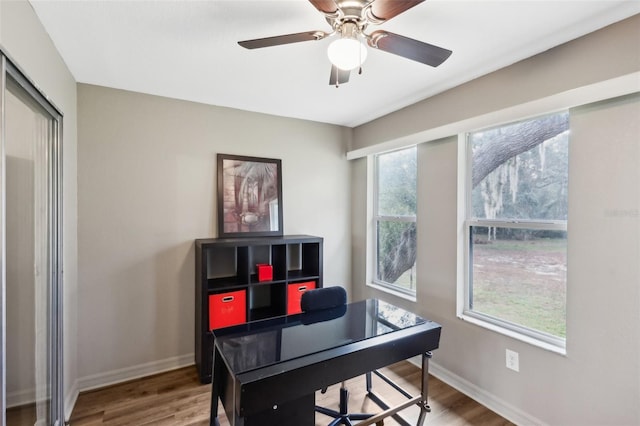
(561, 350)
(390, 290)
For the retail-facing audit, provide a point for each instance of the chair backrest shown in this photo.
(323, 298)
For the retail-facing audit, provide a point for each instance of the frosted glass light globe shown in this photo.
(347, 53)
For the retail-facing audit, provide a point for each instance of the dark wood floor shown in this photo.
(177, 398)
(21, 416)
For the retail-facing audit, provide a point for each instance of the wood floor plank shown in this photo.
(177, 398)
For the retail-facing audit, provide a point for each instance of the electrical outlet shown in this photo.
(513, 361)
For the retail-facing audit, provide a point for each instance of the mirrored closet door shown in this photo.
(31, 254)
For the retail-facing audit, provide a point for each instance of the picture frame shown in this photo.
(249, 196)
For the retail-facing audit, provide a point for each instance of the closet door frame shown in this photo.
(8, 69)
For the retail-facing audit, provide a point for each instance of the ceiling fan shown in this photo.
(349, 19)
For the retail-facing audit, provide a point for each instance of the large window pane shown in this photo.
(517, 252)
(531, 185)
(520, 277)
(397, 183)
(397, 253)
(394, 238)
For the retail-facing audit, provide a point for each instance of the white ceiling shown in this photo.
(187, 50)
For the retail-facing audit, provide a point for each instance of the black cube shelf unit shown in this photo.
(228, 291)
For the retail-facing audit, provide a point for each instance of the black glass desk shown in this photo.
(266, 372)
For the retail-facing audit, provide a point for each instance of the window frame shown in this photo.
(376, 219)
(465, 281)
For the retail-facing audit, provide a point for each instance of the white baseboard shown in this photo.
(101, 380)
(25, 397)
(485, 398)
(492, 402)
(21, 397)
(70, 401)
(108, 378)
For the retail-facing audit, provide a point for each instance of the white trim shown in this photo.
(481, 396)
(70, 401)
(462, 265)
(394, 290)
(21, 397)
(26, 397)
(538, 225)
(370, 255)
(521, 336)
(373, 218)
(600, 91)
(405, 219)
(108, 378)
(121, 375)
(489, 400)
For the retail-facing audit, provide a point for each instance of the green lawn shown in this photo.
(520, 281)
(523, 282)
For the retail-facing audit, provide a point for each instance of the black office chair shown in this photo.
(330, 298)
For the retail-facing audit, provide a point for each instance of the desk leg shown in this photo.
(424, 405)
(216, 376)
(421, 401)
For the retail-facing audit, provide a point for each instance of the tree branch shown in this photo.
(513, 140)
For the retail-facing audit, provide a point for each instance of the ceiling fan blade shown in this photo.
(338, 76)
(283, 39)
(387, 9)
(409, 48)
(325, 6)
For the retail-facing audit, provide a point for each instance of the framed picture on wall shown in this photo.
(249, 196)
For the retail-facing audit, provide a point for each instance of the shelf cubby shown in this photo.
(228, 265)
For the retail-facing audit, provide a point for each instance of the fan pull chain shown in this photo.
(360, 53)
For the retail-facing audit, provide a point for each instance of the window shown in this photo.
(394, 218)
(516, 227)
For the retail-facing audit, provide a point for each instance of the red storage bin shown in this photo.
(295, 294)
(265, 272)
(227, 309)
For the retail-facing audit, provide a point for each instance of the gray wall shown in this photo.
(549, 79)
(598, 381)
(24, 39)
(147, 189)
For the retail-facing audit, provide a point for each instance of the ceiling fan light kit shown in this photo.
(349, 19)
(347, 52)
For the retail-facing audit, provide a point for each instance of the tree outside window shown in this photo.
(516, 222)
(395, 219)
